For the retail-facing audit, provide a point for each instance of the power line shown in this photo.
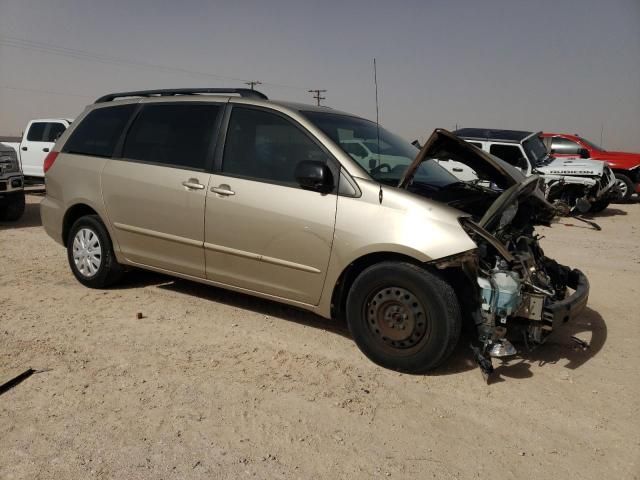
(317, 95)
(34, 90)
(88, 56)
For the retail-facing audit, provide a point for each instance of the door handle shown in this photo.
(223, 190)
(456, 169)
(24, 149)
(193, 184)
(45, 149)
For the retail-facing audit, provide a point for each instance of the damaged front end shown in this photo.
(576, 186)
(512, 290)
(520, 293)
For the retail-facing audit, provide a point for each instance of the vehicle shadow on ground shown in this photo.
(30, 218)
(607, 212)
(139, 278)
(590, 327)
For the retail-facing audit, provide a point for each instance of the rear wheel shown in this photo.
(14, 209)
(90, 253)
(403, 317)
(624, 187)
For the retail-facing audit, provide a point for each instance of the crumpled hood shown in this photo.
(444, 145)
(569, 166)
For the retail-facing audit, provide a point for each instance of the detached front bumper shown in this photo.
(568, 309)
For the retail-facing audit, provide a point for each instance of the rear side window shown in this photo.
(509, 153)
(99, 132)
(264, 146)
(54, 131)
(176, 135)
(36, 132)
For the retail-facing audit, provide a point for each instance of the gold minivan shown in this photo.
(315, 208)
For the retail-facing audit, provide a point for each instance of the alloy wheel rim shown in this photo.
(396, 317)
(622, 188)
(87, 252)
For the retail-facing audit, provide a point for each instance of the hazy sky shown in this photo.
(571, 66)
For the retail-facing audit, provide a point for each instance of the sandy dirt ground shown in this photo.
(213, 384)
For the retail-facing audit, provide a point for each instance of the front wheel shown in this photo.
(90, 253)
(624, 186)
(403, 317)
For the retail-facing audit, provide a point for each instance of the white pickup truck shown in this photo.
(37, 140)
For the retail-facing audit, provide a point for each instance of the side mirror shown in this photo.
(584, 153)
(314, 175)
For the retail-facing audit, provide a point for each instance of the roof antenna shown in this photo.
(375, 82)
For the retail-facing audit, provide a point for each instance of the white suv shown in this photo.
(578, 184)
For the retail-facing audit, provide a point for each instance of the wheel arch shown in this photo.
(72, 214)
(355, 268)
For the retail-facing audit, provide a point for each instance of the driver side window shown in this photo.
(266, 147)
(510, 154)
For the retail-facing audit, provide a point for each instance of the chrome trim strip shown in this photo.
(260, 258)
(153, 233)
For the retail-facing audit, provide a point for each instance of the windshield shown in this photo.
(536, 151)
(385, 158)
(592, 145)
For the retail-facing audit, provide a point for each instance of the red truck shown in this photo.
(625, 165)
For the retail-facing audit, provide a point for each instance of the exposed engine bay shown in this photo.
(511, 289)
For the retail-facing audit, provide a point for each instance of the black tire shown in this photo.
(599, 205)
(424, 345)
(109, 270)
(626, 183)
(14, 209)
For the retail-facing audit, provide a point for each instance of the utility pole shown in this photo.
(317, 95)
(253, 83)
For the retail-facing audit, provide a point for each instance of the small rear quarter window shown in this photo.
(99, 132)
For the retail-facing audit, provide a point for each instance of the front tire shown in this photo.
(14, 208)
(625, 187)
(599, 205)
(90, 253)
(403, 317)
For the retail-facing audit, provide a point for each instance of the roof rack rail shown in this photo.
(243, 92)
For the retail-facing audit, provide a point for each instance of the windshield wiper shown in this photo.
(470, 186)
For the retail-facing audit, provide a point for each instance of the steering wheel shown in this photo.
(380, 167)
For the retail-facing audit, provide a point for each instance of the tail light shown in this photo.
(49, 159)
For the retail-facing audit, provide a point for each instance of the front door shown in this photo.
(155, 194)
(262, 231)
